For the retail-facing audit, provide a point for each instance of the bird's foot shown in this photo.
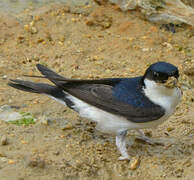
(122, 146)
(146, 139)
(121, 158)
(149, 140)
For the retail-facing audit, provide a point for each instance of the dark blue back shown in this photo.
(129, 90)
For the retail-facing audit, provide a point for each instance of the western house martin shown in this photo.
(115, 104)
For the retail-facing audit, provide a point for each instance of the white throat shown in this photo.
(168, 98)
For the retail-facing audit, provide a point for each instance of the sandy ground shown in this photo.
(90, 42)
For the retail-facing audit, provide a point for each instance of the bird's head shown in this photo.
(163, 74)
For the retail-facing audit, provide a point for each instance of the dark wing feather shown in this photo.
(60, 80)
(101, 96)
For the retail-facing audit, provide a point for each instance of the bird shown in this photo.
(115, 104)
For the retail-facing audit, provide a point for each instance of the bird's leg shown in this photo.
(144, 137)
(147, 139)
(121, 145)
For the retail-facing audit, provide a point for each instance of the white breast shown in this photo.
(168, 98)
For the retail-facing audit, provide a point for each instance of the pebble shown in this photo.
(4, 140)
(99, 18)
(11, 161)
(4, 77)
(189, 70)
(187, 163)
(44, 120)
(170, 129)
(8, 114)
(34, 30)
(30, 28)
(2, 155)
(36, 162)
(66, 127)
(145, 49)
(56, 153)
(3, 159)
(148, 133)
(168, 45)
(5, 108)
(135, 163)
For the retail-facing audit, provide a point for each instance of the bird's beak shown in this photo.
(171, 82)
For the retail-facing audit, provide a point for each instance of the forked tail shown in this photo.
(40, 88)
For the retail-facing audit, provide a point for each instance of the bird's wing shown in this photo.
(58, 80)
(101, 96)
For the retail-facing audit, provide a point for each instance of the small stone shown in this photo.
(170, 129)
(10, 116)
(56, 153)
(99, 18)
(187, 163)
(2, 155)
(40, 40)
(48, 36)
(27, 27)
(168, 45)
(179, 172)
(11, 161)
(32, 23)
(4, 77)
(7, 114)
(3, 159)
(145, 49)
(34, 30)
(148, 133)
(135, 163)
(37, 18)
(4, 140)
(32, 163)
(36, 162)
(66, 9)
(5, 108)
(44, 120)
(24, 142)
(66, 127)
(189, 70)
(20, 39)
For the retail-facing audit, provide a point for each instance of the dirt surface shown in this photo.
(91, 42)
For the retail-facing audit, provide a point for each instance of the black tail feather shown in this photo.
(41, 88)
(51, 75)
(32, 87)
(60, 81)
(48, 73)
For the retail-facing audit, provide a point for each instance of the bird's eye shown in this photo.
(156, 74)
